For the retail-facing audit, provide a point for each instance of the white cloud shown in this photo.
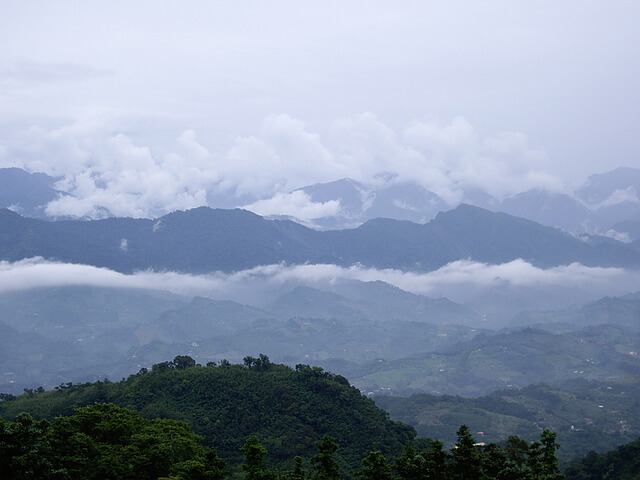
(222, 71)
(501, 165)
(108, 174)
(112, 173)
(295, 204)
(285, 156)
(623, 237)
(458, 281)
(192, 148)
(627, 195)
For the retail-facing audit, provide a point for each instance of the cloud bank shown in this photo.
(256, 103)
(459, 281)
(107, 172)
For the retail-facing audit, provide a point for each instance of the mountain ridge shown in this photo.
(601, 203)
(203, 240)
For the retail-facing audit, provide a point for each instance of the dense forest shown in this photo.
(289, 409)
(256, 421)
(104, 442)
(622, 463)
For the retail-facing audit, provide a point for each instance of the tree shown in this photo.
(297, 473)
(323, 463)
(406, 465)
(375, 467)
(430, 464)
(211, 467)
(255, 466)
(516, 449)
(542, 456)
(162, 366)
(466, 457)
(25, 449)
(105, 441)
(496, 465)
(181, 362)
(261, 363)
(436, 461)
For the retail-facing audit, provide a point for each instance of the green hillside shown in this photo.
(288, 409)
(50, 336)
(517, 358)
(623, 463)
(586, 415)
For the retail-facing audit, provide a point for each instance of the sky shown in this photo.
(151, 106)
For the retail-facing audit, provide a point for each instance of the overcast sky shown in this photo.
(149, 106)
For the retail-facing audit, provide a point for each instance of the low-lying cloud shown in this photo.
(460, 281)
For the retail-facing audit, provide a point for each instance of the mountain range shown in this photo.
(496, 360)
(606, 203)
(204, 240)
(386, 340)
(51, 335)
(54, 335)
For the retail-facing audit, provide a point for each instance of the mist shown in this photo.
(502, 290)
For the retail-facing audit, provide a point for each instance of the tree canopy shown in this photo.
(103, 442)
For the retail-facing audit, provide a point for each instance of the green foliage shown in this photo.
(324, 464)
(465, 457)
(622, 463)
(375, 467)
(24, 449)
(180, 362)
(287, 409)
(104, 442)
(297, 473)
(183, 361)
(255, 465)
(261, 363)
(232, 406)
(429, 464)
(469, 460)
(107, 442)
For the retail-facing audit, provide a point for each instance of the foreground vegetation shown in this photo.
(262, 421)
(288, 409)
(107, 442)
(103, 442)
(622, 463)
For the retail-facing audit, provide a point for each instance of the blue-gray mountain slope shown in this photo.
(204, 240)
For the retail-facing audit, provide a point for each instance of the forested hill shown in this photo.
(288, 409)
(622, 463)
(204, 240)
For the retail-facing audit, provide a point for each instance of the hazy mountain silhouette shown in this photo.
(205, 240)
